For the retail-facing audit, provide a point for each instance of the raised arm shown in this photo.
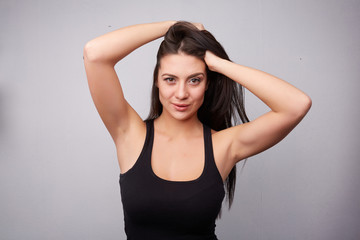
(100, 56)
(288, 106)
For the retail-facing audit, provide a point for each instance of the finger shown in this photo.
(199, 26)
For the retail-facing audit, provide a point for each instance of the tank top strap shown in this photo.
(208, 143)
(150, 130)
(209, 154)
(149, 141)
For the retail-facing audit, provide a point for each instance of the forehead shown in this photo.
(181, 64)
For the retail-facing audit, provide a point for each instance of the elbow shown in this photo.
(303, 106)
(91, 52)
(307, 103)
(88, 52)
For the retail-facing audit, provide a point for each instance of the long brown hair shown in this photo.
(223, 102)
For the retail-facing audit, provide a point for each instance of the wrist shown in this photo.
(218, 65)
(167, 24)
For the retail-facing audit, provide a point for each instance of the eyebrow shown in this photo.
(190, 76)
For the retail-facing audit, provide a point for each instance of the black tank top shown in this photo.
(155, 208)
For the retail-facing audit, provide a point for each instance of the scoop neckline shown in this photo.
(177, 181)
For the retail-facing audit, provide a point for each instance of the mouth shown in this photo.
(181, 107)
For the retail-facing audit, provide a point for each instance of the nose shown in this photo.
(181, 91)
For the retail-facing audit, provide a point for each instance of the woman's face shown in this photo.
(182, 82)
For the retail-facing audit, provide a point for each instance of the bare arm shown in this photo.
(288, 106)
(100, 56)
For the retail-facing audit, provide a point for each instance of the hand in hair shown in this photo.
(212, 60)
(199, 26)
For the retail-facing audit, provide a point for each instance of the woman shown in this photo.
(174, 165)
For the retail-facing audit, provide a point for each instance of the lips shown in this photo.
(181, 107)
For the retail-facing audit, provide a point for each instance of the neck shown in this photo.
(178, 128)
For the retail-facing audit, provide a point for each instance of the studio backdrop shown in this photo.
(58, 169)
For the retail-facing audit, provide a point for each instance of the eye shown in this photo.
(194, 81)
(169, 80)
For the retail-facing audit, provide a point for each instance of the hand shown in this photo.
(199, 26)
(212, 60)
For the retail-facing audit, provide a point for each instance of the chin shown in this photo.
(183, 116)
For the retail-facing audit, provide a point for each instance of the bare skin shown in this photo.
(178, 132)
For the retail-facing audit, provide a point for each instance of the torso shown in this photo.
(185, 206)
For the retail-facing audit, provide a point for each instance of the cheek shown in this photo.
(164, 93)
(199, 95)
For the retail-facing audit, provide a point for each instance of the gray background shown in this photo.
(58, 168)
